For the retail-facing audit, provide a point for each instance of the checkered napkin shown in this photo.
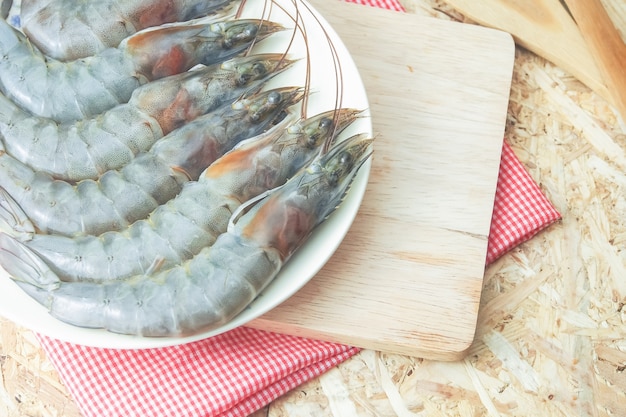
(241, 371)
(520, 209)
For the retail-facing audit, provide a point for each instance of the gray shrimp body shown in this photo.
(71, 91)
(109, 141)
(219, 282)
(120, 197)
(5, 7)
(180, 228)
(72, 29)
(202, 294)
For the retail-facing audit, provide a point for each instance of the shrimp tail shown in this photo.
(65, 303)
(25, 266)
(40, 295)
(13, 220)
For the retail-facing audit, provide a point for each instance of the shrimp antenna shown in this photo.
(299, 27)
(339, 87)
(262, 20)
(339, 91)
(307, 81)
(240, 9)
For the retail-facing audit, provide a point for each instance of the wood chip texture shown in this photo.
(551, 337)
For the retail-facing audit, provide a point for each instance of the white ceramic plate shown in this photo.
(20, 308)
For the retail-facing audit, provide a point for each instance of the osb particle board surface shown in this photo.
(552, 324)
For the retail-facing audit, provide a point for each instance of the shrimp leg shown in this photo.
(70, 91)
(120, 197)
(220, 281)
(72, 29)
(90, 147)
(192, 220)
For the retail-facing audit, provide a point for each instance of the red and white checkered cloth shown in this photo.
(520, 209)
(232, 374)
(241, 371)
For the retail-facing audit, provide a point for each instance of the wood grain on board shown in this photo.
(408, 276)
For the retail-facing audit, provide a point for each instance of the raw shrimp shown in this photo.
(72, 29)
(5, 7)
(220, 281)
(121, 197)
(70, 91)
(192, 220)
(90, 147)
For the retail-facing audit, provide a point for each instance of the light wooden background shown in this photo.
(551, 338)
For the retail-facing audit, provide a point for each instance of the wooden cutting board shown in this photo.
(408, 277)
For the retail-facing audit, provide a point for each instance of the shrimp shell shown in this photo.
(5, 8)
(72, 29)
(119, 198)
(219, 282)
(70, 91)
(192, 220)
(90, 147)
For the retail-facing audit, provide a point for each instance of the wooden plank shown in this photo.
(544, 27)
(606, 45)
(408, 276)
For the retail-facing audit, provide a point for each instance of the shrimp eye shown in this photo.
(274, 97)
(325, 123)
(342, 165)
(249, 32)
(244, 78)
(255, 117)
(259, 68)
(346, 159)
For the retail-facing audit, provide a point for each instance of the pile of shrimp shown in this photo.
(157, 174)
